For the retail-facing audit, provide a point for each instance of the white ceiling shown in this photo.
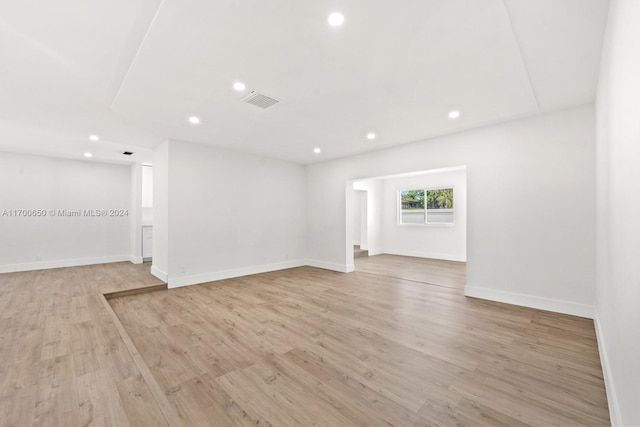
(133, 71)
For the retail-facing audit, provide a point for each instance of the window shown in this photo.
(428, 206)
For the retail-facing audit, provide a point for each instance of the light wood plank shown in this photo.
(395, 343)
(307, 346)
(63, 362)
(161, 399)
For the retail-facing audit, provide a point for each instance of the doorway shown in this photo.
(382, 240)
(360, 238)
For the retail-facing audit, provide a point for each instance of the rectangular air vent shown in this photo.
(127, 153)
(259, 100)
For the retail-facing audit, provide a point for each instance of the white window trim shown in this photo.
(425, 224)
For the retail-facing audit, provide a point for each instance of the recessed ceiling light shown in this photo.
(317, 150)
(94, 137)
(454, 114)
(194, 120)
(239, 86)
(371, 135)
(335, 19)
(88, 155)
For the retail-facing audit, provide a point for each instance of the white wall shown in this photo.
(231, 214)
(35, 182)
(160, 262)
(147, 186)
(147, 194)
(618, 212)
(447, 242)
(373, 219)
(364, 220)
(141, 207)
(517, 251)
(357, 217)
(135, 217)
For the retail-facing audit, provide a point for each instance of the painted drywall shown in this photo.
(141, 207)
(160, 262)
(373, 188)
(531, 210)
(437, 241)
(363, 221)
(135, 217)
(58, 239)
(357, 217)
(147, 186)
(147, 195)
(231, 214)
(618, 211)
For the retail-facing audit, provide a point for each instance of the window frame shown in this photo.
(426, 216)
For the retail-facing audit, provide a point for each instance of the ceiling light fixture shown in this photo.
(194, 120)
(317, 150)
(335, 19)
(454, 114)
(94, 137)
(239, 86)
(88, 155)
(371, 136)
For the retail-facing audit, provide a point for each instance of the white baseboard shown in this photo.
(375, 251)
(60, 263)
(175, 282)
(342, 268)
(432, 255)
(135, 259)
(159, 273)
(612, 397)
(356, 242)
(558, 306)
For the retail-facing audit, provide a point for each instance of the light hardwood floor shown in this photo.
(432, 271)
(62, 361)
(311, 347)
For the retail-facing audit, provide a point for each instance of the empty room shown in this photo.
(234, 213)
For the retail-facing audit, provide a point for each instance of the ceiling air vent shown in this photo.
(259, 100)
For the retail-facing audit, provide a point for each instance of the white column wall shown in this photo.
(618, 212)
(229, 214)
(161, 228)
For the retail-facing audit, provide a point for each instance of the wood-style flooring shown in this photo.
(431, 271)
(62, 360)
(312, 347)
